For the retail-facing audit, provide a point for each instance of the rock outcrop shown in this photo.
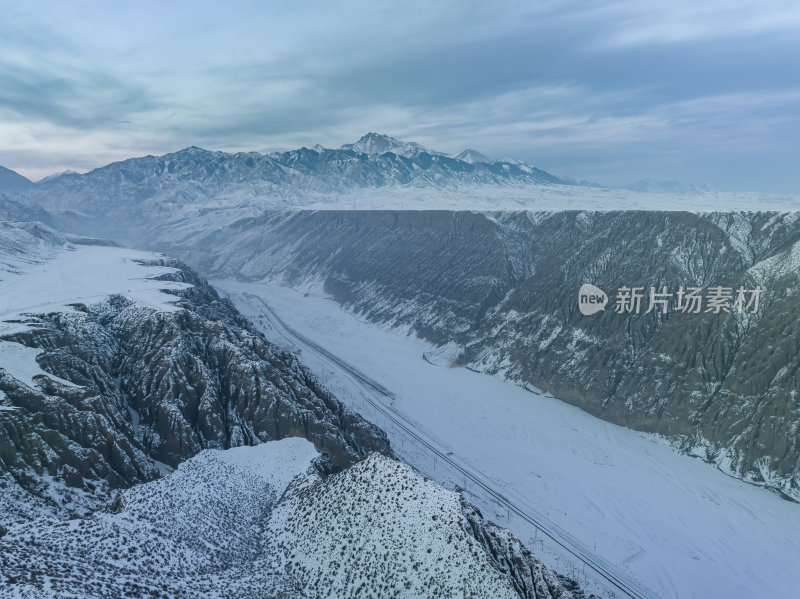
(136, 391)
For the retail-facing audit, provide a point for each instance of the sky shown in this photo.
(611, 92)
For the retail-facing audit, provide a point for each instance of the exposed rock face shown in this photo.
(530, 578)
(152, 389)
(453, 264)
(504, 287)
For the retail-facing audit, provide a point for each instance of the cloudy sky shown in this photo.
(612, 91)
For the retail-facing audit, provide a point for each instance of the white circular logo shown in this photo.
(591, 299)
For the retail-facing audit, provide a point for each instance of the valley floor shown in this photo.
(665, 523)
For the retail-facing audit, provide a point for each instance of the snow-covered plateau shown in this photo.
(43, 272)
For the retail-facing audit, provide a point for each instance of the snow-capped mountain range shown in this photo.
(375, 172)
(373, 161)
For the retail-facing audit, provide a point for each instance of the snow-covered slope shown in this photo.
(260, 522)
(193, 533)
(381, 530)
(42, 271)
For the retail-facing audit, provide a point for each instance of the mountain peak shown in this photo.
(190, 151)
(473, 156)
(55, 176)
(193, 150)
(374, 144)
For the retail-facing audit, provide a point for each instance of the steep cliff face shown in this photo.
(454, 265)
(530, 578)
(504, 287)
(722, 385)
(128, 392)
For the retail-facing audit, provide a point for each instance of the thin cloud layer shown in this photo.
(610, 92)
